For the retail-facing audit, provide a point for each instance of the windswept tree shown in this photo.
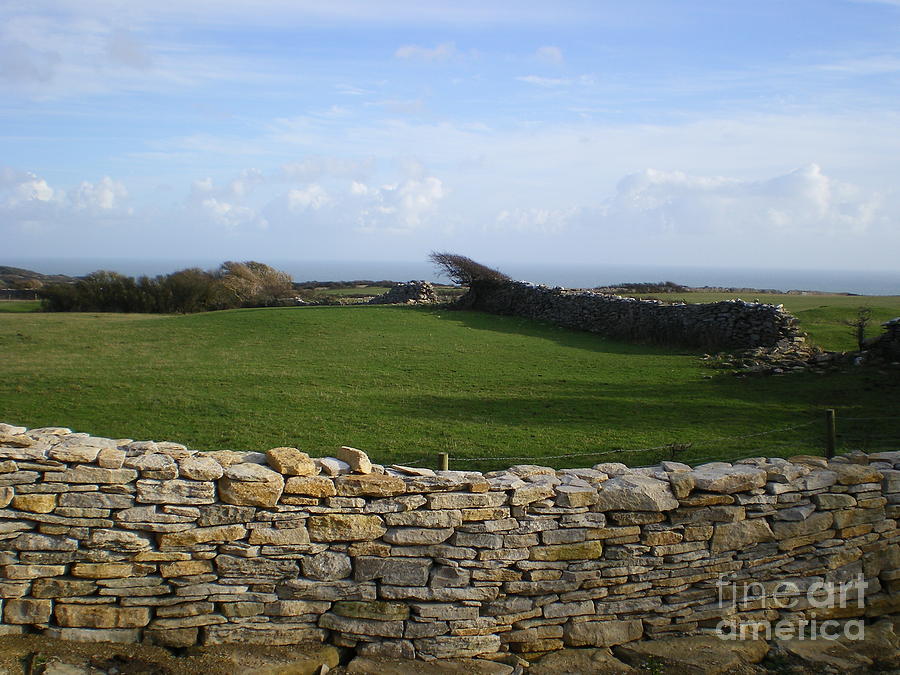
(465, 271)
(254, 283)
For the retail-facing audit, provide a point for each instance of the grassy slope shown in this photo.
(17, 306)
(404, 383)
(822, 316)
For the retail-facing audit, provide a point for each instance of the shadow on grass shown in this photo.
(566, 337)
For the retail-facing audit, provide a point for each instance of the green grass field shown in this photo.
(406, 383)
(16, 306)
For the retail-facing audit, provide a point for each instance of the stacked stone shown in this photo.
(409, 293)
(727, 325)
(887, 345)
(141, 541)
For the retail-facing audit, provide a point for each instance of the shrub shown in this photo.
(254, 284)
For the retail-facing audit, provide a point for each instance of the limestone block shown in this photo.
(118, 635)
(150, 514)
(602, 633)
(635, 493)
(111, 458)
(587, 550)
(327, 566)
(185, 568)
(31, 541)
(740, 535)
(200, 467)
(154, 465)
(466, 500)
(305, 589)
(457, 646)
(313, 486)
(417, 536)
(369, 485)
(817, 522)
(706, 654)
(85, 570)
(62, 588)
(574, 496)
(150, 491)
(271, 536)
(439, 519)
(855, 474)
(394, 571)
(359, 626)
(262, 634)
(816, 480)
(96, 500)
(222, 514)
(827, 501)
(291, 462)
(296, 607)
(358, 460)
(92, 475)
(531, 492)
(682, 483)
(331, 466)
(345, 527)
(728, 479)
(801, 512)
(250, 485)
(32, 571)
(117, 540)
(6, 496)
(202, 535)
(594, 661)
(234, 566)
(101, 616)
(27, 611)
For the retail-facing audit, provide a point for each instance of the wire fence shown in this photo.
(847, 434)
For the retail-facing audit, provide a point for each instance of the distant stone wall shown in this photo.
(409, 293)
(888, 343)
(727, 325)
(115, 540)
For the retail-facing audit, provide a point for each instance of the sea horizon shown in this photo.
(579, 275)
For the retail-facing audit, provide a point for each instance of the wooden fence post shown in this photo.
(830, 433)
(443, 461)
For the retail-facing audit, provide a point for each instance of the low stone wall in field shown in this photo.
(141, 541)
(408, 293)
(727, 325)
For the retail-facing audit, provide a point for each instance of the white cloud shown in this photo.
(314, 168)
(804, 201)
(441, 52)
(398, 207)
(535, 220)
(544, 81)
(549, 54)
(23, 186)
(105, 195)
(312, 197)
(231, 216)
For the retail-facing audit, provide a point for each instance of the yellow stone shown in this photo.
(34, 503)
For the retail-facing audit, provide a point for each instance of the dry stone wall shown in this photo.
(127, 541)
(408, 293)
(727, 325)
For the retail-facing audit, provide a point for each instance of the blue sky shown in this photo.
(753, 134)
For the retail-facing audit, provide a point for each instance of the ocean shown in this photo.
(862, 282)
